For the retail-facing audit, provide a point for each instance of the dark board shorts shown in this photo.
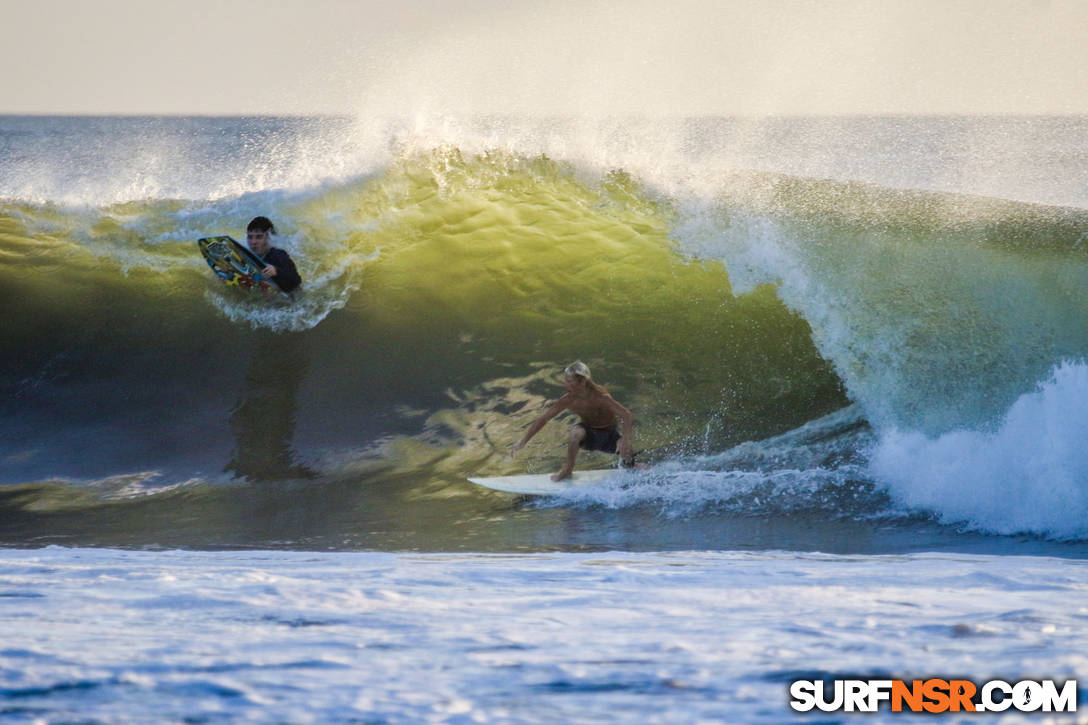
(600, 439)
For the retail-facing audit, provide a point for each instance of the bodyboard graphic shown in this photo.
(234, 263)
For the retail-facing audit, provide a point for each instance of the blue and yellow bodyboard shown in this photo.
(235, 264)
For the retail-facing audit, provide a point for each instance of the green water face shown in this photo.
(440, 301)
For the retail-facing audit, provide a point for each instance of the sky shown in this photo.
(605, 57)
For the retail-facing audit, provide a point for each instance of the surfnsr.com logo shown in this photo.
(933, 695)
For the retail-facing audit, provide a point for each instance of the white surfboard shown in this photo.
(542, 484)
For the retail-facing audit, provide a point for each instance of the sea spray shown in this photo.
(1027, 473)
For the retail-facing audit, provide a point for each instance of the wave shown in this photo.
(1025, 473)
(445, 286)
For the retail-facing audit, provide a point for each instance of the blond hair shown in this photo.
(579, 369)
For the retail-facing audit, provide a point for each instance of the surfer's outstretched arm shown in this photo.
(553, 410)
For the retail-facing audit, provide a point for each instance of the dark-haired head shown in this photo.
(261, 224)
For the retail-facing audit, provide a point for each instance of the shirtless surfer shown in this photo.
(600, 415)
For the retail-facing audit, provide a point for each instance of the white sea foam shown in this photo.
(1029, 473)
(321, 295)
(681, 489)
(128, 637)
(52, 160)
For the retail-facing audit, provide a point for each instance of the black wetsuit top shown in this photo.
(286, 274)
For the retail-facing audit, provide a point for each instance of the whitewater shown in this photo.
(855, 347)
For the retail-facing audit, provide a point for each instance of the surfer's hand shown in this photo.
(269, 271)
(515, 448)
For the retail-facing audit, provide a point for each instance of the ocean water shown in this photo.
(856, 349)
(113, 636)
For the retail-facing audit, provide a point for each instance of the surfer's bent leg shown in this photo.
(577, 433)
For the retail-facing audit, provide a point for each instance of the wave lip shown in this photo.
(1029, 474)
